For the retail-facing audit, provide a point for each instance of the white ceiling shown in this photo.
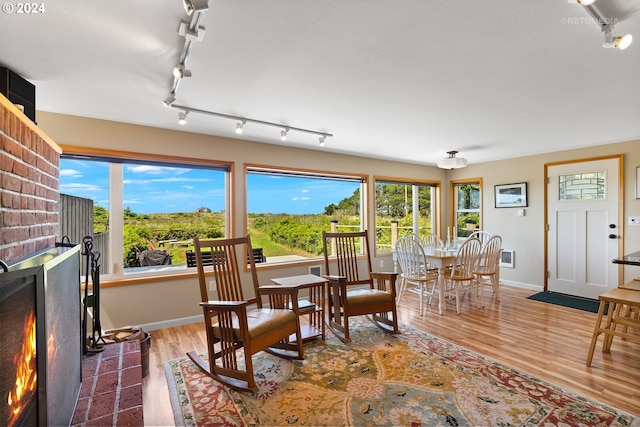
(402, 80)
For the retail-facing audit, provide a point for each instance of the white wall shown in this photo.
(155, 303)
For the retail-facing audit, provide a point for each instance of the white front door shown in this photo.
(583, 229)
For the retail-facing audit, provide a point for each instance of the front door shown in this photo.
(583, 226)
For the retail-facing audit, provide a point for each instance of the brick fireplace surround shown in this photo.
(29, 222)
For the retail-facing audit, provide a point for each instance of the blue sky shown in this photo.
(163, 189)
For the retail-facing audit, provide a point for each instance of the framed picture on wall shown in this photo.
(511, 195)
(638, 182)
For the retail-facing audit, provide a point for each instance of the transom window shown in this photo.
(582, 186)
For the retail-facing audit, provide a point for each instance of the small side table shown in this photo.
(313, 306)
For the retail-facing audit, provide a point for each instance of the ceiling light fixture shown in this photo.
(606, 26)
(619, 42)
(192, 32)
(180, 72)
(169, 100)
(182, 118)
(321, 140)
(191, 6)
(452, 162)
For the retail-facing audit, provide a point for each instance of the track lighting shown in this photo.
(321, 140)
(169, 100)
(191, 6)
(606, 26)
(452, 162)
(618, 42)
(191, 35)
(283, 134)
(182, 118)
(180, 72)
(240, 127)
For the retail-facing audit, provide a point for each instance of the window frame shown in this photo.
(436, 205)
(453, 200)
(304, 173)
(118, 276)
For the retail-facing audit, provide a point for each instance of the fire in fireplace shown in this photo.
(40, 339)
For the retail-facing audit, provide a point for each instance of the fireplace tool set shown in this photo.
(92, 268)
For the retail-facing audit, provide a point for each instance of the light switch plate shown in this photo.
(634, 221)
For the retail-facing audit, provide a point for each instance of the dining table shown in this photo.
(440, 258)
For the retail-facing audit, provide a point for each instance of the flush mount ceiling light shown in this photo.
(452, 162)
(606, 26)
(191, 6)
(182, 118)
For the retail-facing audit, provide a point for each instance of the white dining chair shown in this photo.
(416, 271)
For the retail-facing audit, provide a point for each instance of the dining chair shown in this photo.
(238, 327)
(355, 290)
(431, 241)
(487, 270)
(483, 236)
(459, 276)
(415, 270)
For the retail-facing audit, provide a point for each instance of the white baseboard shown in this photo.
(171, 323)
(521, 285)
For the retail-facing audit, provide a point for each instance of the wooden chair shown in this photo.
(415, 270)
(234, 322)
(483, 236)
(487, 269)
(461, 272)
(352, 293)
(431, 241)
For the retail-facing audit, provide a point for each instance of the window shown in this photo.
(403, 208)
(582, 186)
(288, 210)
(143, 214)
(466, 197)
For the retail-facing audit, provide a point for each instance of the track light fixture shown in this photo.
(180, 72)
(169, 100)
(321, 140)
(191, 6)
(618, 42)
(182, 118)
(606, 26)
(452, 162)
(192, 32)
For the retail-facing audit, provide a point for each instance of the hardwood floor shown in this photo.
(544, 340)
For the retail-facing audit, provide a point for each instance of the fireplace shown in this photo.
(40, 339)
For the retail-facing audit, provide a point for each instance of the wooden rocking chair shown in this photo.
(233, 322)
(353, 294)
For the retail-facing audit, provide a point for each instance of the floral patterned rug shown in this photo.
(410, 379)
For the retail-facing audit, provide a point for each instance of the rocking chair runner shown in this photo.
(232, 323)
(376, 294)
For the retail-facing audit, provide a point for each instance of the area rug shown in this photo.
(567, 301)
(380, 379)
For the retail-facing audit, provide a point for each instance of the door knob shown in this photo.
(612, 236)
(612, 226)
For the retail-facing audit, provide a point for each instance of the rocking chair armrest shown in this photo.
(382, 278)
(223, 305)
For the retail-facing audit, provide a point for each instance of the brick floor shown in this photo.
(111, 393)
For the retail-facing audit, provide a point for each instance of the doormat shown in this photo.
(567, 301)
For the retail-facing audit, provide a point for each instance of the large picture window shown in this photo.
(142, 214)
(288, 210)
(403, 208)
